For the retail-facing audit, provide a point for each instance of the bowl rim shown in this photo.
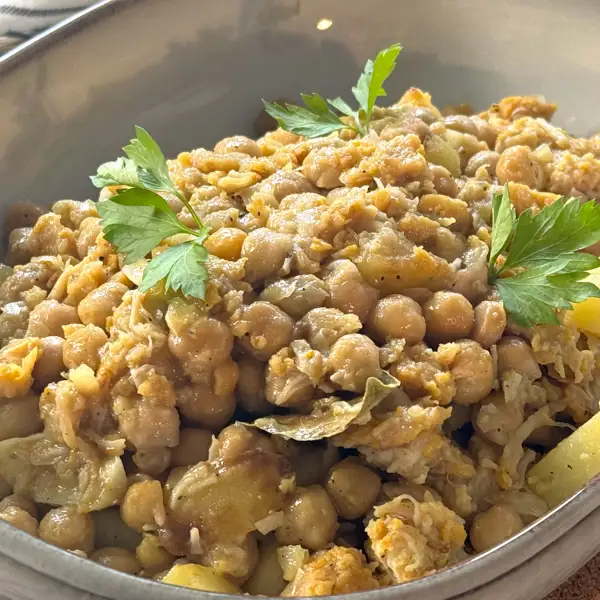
(88, 576)
(474, 573)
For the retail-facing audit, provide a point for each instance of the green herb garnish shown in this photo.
(321, 117)
(541, 268)
(138, 218)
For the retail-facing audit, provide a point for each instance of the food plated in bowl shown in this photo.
(313, 363)
(346, 398)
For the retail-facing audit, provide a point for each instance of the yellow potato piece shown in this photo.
(587, 316)
(587, 313)
(198, 577)
(569, 466)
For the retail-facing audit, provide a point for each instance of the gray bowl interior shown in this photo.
(193, 71)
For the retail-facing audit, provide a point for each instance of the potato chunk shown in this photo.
(198, 577)
(569, 466)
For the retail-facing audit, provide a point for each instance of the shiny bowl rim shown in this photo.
(88, 576)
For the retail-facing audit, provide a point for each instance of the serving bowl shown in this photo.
(193, 71)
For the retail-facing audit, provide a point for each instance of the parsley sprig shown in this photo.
(321, 117)
(535, 259)
(137, 219)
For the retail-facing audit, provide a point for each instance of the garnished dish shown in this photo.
(349, 354)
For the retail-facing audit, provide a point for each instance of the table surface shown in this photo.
(584, 585)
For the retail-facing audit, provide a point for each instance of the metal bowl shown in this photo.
(192, 71)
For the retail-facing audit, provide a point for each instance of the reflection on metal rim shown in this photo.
(57, 32)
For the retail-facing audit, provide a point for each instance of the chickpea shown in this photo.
(19, 501)
(89, 230)
(147, 425)
(348, 291)
(119, 559)
(19, 417)
(519, 165)
(143, 507)
(353, 359)
(447, 244)
(236, 440)
(250, 390)
(48, 318)
(310, 462)
(19, 252)
(515, 354)
(324, 165)
(268, 329)
(449, 316)
(226, 243)
(237, 565)
(152, 556)
(352, 488)
(203, 346)
(310, 519)
(50, 237)
(440, 206)
(443, 182)
(485, 159)
(472, 369)
(193, 447)
(20, 519)
(398, 317)
(490, 322)
(49, 364)
(72, 213)
(496, 524)
(461, 123)
(82, 347)
(100, 303)
(199, 403)
(238, 143)
(154, 461)
(285, 385)
(265, 251)
(285, 183)
(68, 529)
(321, 327)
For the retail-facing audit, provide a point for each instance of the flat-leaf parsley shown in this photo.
(321, 117)
(137, 219)
(535, 259)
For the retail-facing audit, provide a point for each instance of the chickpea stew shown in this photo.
(344, 403)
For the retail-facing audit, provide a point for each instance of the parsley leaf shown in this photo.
(343, 107)
(532, 296)
(182, 267)
(503, 221)
(567, 225)
(543, 269)
(314, 121)
(151, 163)
(370, 83)
(137, 219)
(119, 172)
(316, 118)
